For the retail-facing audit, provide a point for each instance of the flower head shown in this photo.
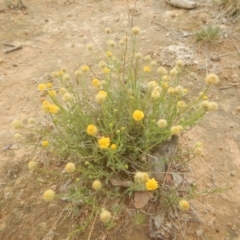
(32, 165)
(85, 68)
(179, 90)
(147, 58)
(49, 85)
(179, 63)
(105, 216)
(147, 69)
(70, 167)
(162, 123)
(106, 70)
(211, 79)
(138, 55)
(198, 151)
(89, 47)
(171, 90)
(42, 87)
(53, 109)
(141, 177)
(67, 97)
(92, 130)
(45, 143)
(109, 54)
(49, 195)
(102, 64)
(54, 74)
(113, 146)
(66, 77)
(97, 185)
(101, 97)
(104, 142)
(95, 82)
(108, 30)
(173, 72)
(162, 71)
(17, 136)
(138, 115)
(135, 30)
(111, 43)
(155, 94)
(176, 130)
(16, 124)
(78, 73)
(181, 104)
(151, 184)
(184, 205)
(64, 69)
(62, 91)
(212, 106)
(151, 85)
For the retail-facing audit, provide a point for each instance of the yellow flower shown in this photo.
(109, 54)
(212, 106)
(179, 90)
(162, 71)
(67, 97)
(52, 93)
(113, 146)
(53, 109)
(54, 74)
(176, 130)
(147, 58)
(45, 143)
(104, 142)
(101, 97)
(138, 115)
(95, 82)
(105, 216)
(184, 205)
(102, 64)
(173, 72)
(32, 165)
(108, 30)
(212, 79)
(64, 69)
(97, 185)
(16, 124)
(49, 85)
(89, 47)
(151, 184)
(179, 63)
(70, 167)
(84, 68)
(42, 87)
(49, 195)
(135, 30)
(138, 55)
(17, 136)
(92, 130)
(111, 43)
(147, 69)
(203, 96)
(141, 177)
(185, 90)
(171, 90)
(62, 91)
(166, 78)
(78, 73)
(165, 85)
(151, 85)
(60, 73)
(66, 77)
(181, 104)
(204, 104)
(155, 94)
(106, 70)
(162, 123)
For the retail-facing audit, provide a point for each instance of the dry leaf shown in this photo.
(141, 198)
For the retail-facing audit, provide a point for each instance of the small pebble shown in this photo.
(199, 233)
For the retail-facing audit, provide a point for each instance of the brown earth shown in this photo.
(54, 34)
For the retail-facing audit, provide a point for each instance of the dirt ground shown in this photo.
(54, 34)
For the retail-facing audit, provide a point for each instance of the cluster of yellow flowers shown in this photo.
(143, 177)
(50, 108)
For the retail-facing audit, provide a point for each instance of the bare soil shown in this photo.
(54, 34)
